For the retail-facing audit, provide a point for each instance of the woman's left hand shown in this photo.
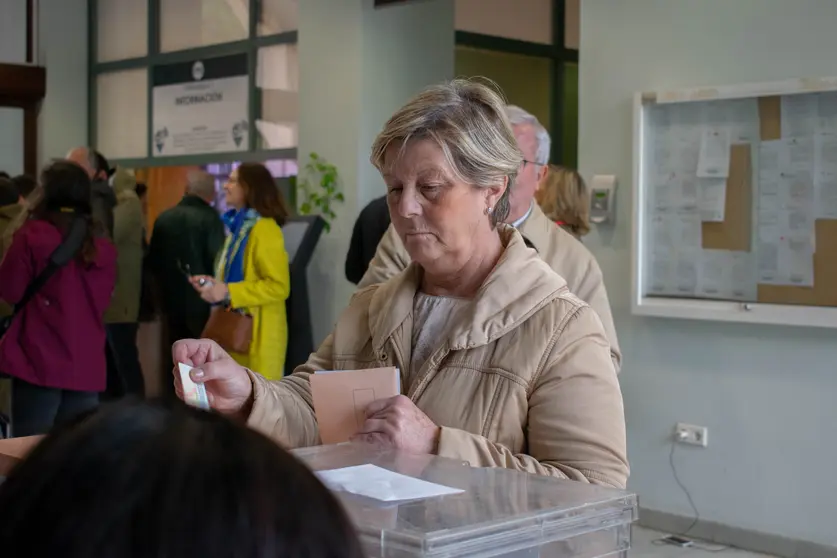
(211, 291)
(398, 424)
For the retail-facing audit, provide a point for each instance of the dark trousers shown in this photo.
(124, 370)
(35, 409)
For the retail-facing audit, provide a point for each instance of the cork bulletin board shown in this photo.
(709, 234)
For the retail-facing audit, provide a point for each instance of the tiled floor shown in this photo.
(644, 547)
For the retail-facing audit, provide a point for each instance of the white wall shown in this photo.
(766, 393)
(62, 49)
(356, 66)
(12, 31)
(12, 51)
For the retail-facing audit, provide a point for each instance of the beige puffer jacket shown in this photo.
(568, 257)
(526, 382)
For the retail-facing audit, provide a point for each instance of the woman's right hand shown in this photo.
(228, 385)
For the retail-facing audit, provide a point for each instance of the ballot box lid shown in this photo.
(501, 512)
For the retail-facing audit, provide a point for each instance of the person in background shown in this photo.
(253, 273)
(563, 196)
(142, 194)
(370, 227)
(146, 480)
(501, 366)
(53, 348)
(11, 207)
(185, 241)
(25, 185)
(103, 200)
(122, 317)
(563, 253)
(147, 312)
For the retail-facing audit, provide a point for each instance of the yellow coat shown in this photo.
(266, 286)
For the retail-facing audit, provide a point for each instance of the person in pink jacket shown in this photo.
(54, 348)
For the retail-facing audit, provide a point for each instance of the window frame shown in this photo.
(558, 55)
(250, 46)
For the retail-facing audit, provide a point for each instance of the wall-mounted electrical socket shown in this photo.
(691, 434)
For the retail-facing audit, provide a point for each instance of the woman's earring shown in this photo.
(489, 210)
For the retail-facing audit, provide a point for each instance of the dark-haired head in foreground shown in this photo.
(143, 480)
(8, 192)
(25, 185)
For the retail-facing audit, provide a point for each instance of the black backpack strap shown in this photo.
(60, 257)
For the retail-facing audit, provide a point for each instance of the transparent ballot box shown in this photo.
(499, 513)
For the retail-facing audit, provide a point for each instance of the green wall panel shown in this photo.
(525, 80)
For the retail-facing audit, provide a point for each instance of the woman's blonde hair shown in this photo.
(467, 120)
(564, 197)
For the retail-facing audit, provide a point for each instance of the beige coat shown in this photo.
(526, 382)
(127, 236)
(558, 248)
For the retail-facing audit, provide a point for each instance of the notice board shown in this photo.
(739, 198)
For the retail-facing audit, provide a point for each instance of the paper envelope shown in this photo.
(341, 398)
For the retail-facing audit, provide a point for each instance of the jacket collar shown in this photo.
(191, 200)
(537, 229)
(519, 285)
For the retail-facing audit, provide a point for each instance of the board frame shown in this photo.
(704, 309)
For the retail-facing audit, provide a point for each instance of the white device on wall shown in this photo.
(602, 198)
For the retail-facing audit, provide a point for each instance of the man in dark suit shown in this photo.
(185, 241)
(103, 199)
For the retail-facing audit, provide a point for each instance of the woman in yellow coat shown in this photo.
(252, 273)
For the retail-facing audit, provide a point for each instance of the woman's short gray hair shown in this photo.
(467, 120)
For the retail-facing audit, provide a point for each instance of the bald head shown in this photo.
(86, 159)
(201, 184)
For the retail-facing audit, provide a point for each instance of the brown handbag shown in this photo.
(230, 329)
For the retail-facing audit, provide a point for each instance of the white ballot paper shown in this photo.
(712, 199)
(193, 394)
(713, 161)
(382, 484)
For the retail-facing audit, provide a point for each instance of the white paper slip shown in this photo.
(381, 484)
(193, 394)
(713, 161)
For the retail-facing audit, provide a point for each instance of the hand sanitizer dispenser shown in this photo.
(602, 198)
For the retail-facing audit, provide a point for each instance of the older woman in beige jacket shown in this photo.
(501, 365)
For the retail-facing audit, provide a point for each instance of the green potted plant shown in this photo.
(319, 189)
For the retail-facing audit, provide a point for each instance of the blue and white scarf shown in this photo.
(240, 222)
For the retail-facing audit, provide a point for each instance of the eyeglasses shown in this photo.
(533, 163)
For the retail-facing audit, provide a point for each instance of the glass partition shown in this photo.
(278, 16)
(572, 17)
(122, 113)
(530, 48)
(121, 30)
(201, 107)
(525, 80)
(523, 20)
(195, 23)
(277, 78)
